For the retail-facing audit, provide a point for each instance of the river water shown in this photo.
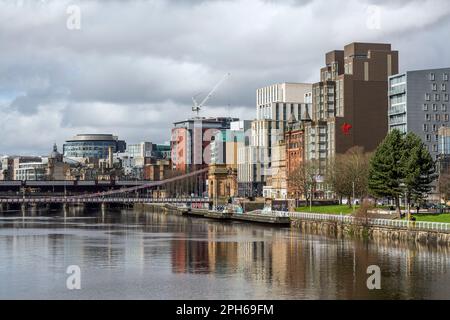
(125, 254)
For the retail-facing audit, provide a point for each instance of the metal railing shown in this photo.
(322, 217)
(270, 213)
(402, 224)
(98, 199)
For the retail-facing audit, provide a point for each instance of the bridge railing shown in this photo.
(99, 199)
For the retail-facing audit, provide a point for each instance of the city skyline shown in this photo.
(223, 156)
(124, 71)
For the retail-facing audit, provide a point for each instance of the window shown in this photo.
(427, 117)
(444, 107)
(437, 97)
(428, 137)
(425, 107)
(443, 87)
(445, 77)
(425, 127)
(435, 147)
(434, 128)
(446, 97)
(434, 107)
(432, 76)
(446, 117)
(437, 117)
(436, 137)
(434, 86)
(427, 97)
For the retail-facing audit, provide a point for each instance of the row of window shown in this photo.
(398, 99)
(437, 117)
(436, 137)
(434, 107)
(397, 119)
(398, 80)
(434, 87)
(434, 148)
(444, 77)
(437, 97)
(434, 127)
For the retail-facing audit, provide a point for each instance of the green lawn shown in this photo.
(334, 209)
(433, 217)
(344, 209)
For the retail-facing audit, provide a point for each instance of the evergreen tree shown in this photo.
(401, 165)
(418, 168)
(385, 173)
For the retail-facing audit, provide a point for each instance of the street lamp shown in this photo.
(353, 188)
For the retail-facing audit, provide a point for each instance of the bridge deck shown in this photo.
(47, 200)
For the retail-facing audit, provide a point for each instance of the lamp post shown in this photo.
(310, 197)
(353, 187)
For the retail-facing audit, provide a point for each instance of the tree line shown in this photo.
(401, 167)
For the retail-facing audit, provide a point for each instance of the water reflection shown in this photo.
(136, 255)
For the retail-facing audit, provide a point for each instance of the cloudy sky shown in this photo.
(130, 67)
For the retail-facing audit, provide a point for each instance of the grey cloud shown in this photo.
(138, 62)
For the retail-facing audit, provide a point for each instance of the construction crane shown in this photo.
(198, 106)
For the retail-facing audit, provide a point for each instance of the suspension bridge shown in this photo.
(121, 194)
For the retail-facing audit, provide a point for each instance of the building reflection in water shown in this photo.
(299, 265)
(264, 261)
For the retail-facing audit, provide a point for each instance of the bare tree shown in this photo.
(348, 174)
(444, 186)
(304, 179)
(363, 214)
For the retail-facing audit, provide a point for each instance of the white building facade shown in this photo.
(275, 106)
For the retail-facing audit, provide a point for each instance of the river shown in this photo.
(126, 254)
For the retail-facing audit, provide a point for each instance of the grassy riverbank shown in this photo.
(345, 210)
(335, 209)
(445, 217)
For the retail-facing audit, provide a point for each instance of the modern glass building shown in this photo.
(162, 151)
(92, 146)
(31, 171)
(140, 150)
(419, 103)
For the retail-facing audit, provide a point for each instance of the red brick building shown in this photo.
(294, 139)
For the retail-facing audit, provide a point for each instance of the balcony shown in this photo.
(395, 121)
(397, 110)
(397, 90)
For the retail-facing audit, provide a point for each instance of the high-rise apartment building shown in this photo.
(419, 102)
(350, 101)
(191, 145)
(349, 104)
(275, 105)
(278, 101)
(191, 141)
